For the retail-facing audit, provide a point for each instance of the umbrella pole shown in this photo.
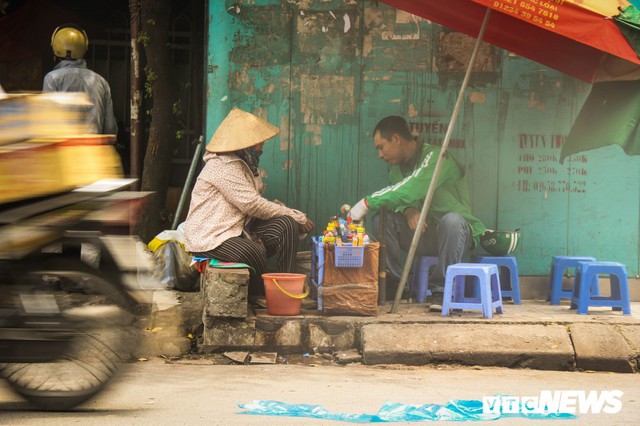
(436, 172)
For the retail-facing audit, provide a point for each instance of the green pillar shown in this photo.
(222, 26)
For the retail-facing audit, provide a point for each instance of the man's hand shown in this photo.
(306, 227)
(413, 217)
(360, 210)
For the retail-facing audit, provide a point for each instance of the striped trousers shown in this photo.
(279, 237)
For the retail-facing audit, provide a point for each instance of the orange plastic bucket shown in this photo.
(284, 293)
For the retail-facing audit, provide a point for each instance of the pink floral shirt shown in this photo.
(224, 197)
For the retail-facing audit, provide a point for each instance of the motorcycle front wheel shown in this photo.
(104, 334)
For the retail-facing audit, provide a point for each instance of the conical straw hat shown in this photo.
(240, 130)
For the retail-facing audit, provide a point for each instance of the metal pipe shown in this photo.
(187, 184)
(436, 172)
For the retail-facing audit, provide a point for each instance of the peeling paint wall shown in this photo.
(326, 71)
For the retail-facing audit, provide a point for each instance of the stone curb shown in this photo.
(543, 347)
(549, 344)
(603, 347)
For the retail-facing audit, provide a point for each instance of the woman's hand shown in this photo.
(306, 227)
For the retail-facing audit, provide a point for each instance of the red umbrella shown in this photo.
(577, 37)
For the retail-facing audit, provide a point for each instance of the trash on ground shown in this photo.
(263, 358)
(239, 357)
(349, 356)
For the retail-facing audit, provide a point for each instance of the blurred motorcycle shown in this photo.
(68, 321)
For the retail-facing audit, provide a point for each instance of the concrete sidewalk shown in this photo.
(531, 335)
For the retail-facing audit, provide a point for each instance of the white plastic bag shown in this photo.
(177, 273)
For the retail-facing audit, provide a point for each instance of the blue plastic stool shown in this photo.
(489, 285)
(558, 265)
(583, 295)
(420, 285)
(510, 263)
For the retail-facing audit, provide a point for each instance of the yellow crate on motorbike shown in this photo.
(87, 158)
(28, 170)
(46, 166)
(26, 116)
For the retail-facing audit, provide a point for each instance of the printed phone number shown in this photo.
(529, 12)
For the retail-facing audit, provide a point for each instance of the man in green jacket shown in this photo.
(450, 229)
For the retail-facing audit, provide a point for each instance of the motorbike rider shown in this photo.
(70, 74)
(69, 44)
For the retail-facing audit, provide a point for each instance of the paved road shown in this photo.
(197, 393)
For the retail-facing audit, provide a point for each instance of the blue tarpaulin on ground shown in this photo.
(457, 411)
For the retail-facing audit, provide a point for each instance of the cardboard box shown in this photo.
(347, 291)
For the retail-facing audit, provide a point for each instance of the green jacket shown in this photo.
(410, 182)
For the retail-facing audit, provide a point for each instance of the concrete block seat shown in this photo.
(488, 281)
(558, 266)
(584, 295)
(513, 285)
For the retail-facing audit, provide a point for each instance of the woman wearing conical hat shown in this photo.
(228, 219)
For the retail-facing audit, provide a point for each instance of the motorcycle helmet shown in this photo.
(500, 243)
(69, 42)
